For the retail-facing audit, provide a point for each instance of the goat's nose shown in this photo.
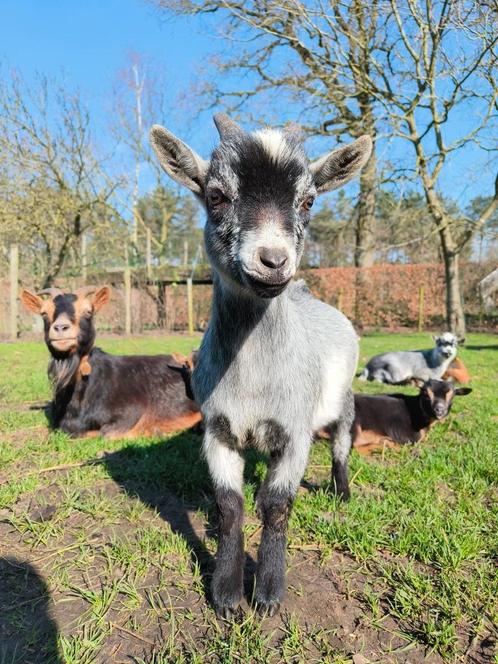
(61, 327)
(273, 258)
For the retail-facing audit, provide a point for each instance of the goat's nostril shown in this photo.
(273, 258)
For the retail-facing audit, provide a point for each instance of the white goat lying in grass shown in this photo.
(401, 366)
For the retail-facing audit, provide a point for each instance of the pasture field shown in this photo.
(106, 548)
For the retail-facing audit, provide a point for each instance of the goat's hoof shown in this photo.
(268, 608)
(226, 612)
(343, 494)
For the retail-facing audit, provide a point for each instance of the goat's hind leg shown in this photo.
(275, 499)
(226, 467)
(340, 442)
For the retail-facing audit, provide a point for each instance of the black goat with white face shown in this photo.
(275, 364)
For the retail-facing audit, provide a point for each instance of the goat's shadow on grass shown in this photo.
(48, 411)
(27, 631)
(481, 347)
(171, 477)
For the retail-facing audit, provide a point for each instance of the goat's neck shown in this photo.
(420, 419)
(236, 313)
(437, 360)
(63, 372)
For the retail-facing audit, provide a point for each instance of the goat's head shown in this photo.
(67, 317)
(447, 345)
(258, 190)
(436, 397)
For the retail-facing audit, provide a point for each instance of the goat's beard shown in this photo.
(61, 372)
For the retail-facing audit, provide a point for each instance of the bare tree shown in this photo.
(61, 191)
(439, 89)
(138, 103)
(404, 68)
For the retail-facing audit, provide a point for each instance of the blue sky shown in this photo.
(88, 41)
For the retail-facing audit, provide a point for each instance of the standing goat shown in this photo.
(401, 366)
(275, 364)
(95, 393)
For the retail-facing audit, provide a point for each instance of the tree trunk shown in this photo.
(455, 317)
(364, 252)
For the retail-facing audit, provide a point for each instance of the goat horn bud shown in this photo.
(53, 292)
(227, 128)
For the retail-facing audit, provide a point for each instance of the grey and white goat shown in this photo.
(275, 364)
(401, 366)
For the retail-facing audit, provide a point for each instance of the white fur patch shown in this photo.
(226, 466)
(271, 236)
(274, 143)
(448, 338)
(336, 378)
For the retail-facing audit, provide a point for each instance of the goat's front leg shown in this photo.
(275, 500)
(226, 467)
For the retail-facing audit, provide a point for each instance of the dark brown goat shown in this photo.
(395, 419)
(95, 393)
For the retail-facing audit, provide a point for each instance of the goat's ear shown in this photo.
(101, 297)
(462, 391)
(338, 167)
(31, 301)
(179, 161)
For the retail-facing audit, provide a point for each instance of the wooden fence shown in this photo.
(389, 296)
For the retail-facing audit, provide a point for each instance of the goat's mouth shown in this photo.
(266, 288)
(63, 344)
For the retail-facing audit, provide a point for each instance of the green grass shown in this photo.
(110, 562)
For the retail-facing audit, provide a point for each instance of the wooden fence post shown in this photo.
(14, 281)
(190, 306)
(127, 289)
(421, 309)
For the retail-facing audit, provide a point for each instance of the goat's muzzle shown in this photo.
(64, 345)
(266, 287)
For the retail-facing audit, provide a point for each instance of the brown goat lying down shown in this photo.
(396, 419)
(457, 371)
(95, 393)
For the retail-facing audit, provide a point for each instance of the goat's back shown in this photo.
(121, 381)
(387, 416)
(400, 366)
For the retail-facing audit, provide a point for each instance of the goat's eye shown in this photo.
(216, 197)
(307, 204)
